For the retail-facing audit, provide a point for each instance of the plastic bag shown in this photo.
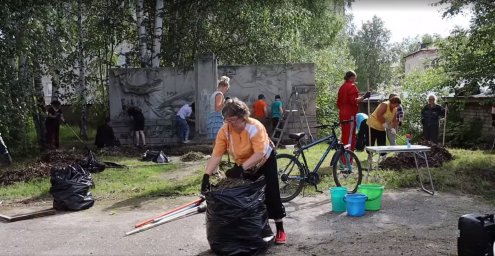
(235, 219)
(155, 156)
(70, 188)
(91, 164)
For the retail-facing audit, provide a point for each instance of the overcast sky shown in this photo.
(407, 18)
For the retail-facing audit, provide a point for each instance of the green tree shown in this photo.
(468, 56)
(370, 48)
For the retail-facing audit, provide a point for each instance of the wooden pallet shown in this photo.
(30, 215)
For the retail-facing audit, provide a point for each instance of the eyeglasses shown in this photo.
(233, 120)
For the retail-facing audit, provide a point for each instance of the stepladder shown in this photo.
(294, 113)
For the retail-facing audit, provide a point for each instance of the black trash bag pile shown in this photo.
(70, 188)
(235, 219)
(91, 163)
(155, 156)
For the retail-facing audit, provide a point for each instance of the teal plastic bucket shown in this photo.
(337, 196)
(355, 204)
(374, 193)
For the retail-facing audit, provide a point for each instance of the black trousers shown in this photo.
(52, 134)
(430, 132)
(274, 206)
(380, 137)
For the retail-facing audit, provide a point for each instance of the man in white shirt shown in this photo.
(181, 117)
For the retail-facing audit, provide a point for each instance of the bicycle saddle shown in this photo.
(297, 136)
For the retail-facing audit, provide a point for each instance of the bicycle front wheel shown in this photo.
(290, 176)
(347, 170)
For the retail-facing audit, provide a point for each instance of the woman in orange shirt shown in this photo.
(247, 141)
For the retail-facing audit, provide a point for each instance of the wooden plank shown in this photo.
(30, 215)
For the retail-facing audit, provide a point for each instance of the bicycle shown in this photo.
(293, 174)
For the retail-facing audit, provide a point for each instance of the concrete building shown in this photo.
(421, 59)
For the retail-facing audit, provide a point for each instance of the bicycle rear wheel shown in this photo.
(290, 176)
(347, 170)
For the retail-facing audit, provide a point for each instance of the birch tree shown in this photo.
(157, 36)
(142, 37)
(83, 132)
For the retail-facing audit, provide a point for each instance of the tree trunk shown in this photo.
(141, 33)
(83, 126)
(39, 103)
(157, 36)
(55, 85)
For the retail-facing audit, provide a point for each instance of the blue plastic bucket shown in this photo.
(337, 196)
(355, 204)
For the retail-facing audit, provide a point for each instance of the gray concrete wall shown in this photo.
(161, 92)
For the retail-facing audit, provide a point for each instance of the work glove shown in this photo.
(386, 126)
(205, 184)
(367, 95)
(393, 131)
(235, 172)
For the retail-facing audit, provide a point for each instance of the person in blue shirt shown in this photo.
(362, 131)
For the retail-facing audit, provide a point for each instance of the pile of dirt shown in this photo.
(436, 157)
(229, 183)
(41, 167)
(126, 150)
(192, 156)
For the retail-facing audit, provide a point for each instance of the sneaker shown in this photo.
(186, 141)
(281, 237)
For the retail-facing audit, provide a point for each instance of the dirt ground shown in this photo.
(410, 222)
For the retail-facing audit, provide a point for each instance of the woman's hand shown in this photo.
(205, 184)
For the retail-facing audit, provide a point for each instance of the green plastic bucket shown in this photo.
(337, 196)
(374, 193)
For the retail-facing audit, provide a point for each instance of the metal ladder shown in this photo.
(294, 107)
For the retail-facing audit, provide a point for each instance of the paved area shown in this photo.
(409, 223)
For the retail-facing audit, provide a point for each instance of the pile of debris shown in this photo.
(192, 156)
(436, 157)
(41, 167)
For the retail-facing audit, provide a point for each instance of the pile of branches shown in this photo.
(436, 157)
(41, 167)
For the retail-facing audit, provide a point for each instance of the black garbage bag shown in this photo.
(70, 188)
(235, 219)
(91, 163)
(5, 158)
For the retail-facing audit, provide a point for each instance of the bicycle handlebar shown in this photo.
(334, 125)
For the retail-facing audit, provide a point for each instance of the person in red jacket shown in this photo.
(348, 100)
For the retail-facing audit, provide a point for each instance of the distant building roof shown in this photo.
(433, 50)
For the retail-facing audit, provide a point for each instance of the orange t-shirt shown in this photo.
(259, 107)
(241, 146)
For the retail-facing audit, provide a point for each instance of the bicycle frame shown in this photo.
(333, 144)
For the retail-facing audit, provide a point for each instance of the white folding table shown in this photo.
(416, 150)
